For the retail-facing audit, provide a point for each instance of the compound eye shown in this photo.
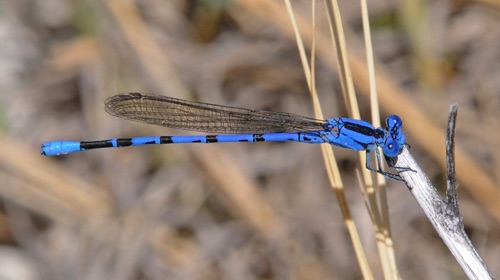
(393, 121)
(391, 148)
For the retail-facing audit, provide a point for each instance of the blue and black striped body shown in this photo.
(65, 147)
(237, 125)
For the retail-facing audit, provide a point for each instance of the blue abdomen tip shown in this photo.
(56, 148)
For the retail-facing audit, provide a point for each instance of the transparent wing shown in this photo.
(205, 117)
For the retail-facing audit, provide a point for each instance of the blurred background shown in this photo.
(232, 211)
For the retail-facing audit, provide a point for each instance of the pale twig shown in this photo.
(444, 215)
